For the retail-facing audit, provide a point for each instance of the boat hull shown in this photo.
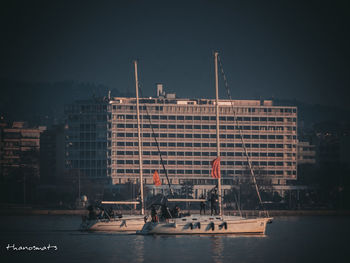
(124, 224)
(210, 226)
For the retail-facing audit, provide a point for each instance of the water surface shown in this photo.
(288, 239)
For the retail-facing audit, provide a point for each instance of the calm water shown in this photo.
(288, 239)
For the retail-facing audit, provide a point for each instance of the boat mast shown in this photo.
(217, 125)
(139, 138)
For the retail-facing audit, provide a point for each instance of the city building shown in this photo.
(88, 140)
(2, 126)
(306, 153)
(20, 148)
(102, 143)
(52, 151)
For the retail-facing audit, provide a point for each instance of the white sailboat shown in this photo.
(115, 223)
(204, 224)
(122, 223)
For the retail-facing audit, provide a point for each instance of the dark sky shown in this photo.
(281, 49)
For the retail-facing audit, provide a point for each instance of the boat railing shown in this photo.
(120, 202)
(248, 213)
(178, 200)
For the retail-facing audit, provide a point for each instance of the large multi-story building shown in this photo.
(52, 151)
(102, 139)
(88, 140)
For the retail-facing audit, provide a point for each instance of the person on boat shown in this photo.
(154, 214)
(213, 202)
(92, 212)
(176, 212)
(202, 208)
(111, 212)
(165, 213)
(101, 214)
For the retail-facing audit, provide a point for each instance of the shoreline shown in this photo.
(248, 213)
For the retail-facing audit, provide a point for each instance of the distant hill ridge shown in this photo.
(42, 103)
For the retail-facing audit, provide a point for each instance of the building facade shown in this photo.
(306, 153)
(20, 149)
(185, 129)
(52, 152)
(87, 140)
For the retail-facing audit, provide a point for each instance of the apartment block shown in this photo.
(52, 152)
(20, 148)
(306, 153)
(87, 139)
(102, 142)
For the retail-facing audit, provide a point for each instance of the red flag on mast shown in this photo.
(215, 168)
(156, 179)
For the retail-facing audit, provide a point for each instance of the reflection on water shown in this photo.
(288, 239)
(139, 248)
(217, 249)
